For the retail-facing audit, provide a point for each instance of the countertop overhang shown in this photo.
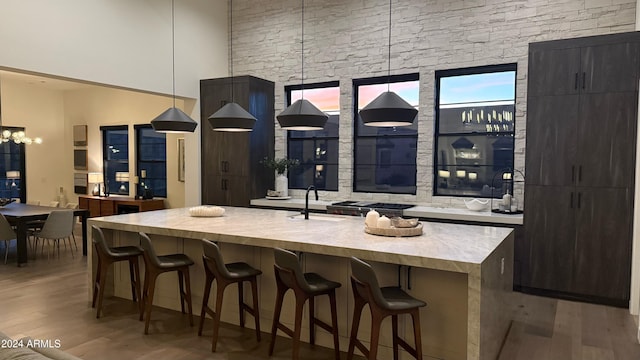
(442, 246)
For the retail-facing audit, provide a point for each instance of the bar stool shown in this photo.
(156, 265)
(107, 256)
(224, 275)
(382, 303)
(305, 286)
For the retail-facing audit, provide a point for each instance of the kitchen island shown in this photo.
(463, 272)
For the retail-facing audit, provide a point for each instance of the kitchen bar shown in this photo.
(463, 272)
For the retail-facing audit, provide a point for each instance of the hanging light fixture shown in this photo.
(231, 117)
(173, 120)
(302, 114)
(388, 109)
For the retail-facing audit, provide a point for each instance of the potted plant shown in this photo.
(280, 166)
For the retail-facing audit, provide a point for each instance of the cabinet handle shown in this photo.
(573, 173)
(571, 203)
(222, 166)
(226, 166)
(580, 173)
(408, 277)
(575, 84)
(579, 199)
(584, 80)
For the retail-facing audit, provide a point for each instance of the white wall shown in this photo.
(121, 43)
(41, 113)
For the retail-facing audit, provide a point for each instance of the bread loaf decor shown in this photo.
(206, 211)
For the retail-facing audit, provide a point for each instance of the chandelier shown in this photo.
(19, 137)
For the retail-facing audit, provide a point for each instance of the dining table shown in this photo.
(20, 214)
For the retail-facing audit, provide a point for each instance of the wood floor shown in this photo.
(47, 300)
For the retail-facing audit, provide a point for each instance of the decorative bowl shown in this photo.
(399, 222)
(206, 211)
(476, 204)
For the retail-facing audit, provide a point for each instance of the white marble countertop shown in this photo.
(430, 212)
(450, 247)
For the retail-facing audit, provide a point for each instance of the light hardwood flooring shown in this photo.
(48, 300)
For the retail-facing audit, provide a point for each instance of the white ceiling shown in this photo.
(42, 81)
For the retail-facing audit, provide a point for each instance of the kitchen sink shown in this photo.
(316, 217)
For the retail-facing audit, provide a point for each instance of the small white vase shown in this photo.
(282, 185)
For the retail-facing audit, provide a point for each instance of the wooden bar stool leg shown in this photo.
(145, 293)
(181, 290)
(187, 293)
(136, 269)
(96, 284)
(133, 280)
(298, 326)
(357, 313)
(205, 301)
(394, 326)
(276, 316)
(216, 317)
(334, 324)
(415, 315)
(149, 301)
(376, 321)
(241, 303)
(256, 307)
(312, 324)
(104, 266)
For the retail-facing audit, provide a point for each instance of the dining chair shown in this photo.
(6, 235)
(58, 226)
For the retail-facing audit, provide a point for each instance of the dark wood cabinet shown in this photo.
(580, 167)
(231, 169)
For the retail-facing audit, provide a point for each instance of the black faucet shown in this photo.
(306, 201)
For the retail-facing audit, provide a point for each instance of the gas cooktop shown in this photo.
(359, 208)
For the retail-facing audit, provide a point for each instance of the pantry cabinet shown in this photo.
(582, 108)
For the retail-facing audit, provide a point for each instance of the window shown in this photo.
(316, 150)
(385, 157)
(115, 157)
(12, 168)
(151, 161)
(474, 136)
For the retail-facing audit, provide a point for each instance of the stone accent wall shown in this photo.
(347, 39)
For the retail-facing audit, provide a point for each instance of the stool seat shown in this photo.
(318, 284)
(305, 286)
(107, 256)
(174, 261)
(224, 275)
(124, 251)
(396, 299)
(240, 270)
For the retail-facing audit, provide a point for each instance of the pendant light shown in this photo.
(231, 117)
(388, 109)
(173, 120)
(302, 114)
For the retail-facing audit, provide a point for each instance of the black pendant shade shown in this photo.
(173, 120)
(302, 115)
(388, 109)
(232, 117)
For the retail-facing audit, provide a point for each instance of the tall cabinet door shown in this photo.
(609, 68)
(550, 226)
(603, 249)
(607, 133)
(551, 125)
(553, 71)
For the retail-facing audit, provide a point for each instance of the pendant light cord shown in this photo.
(173, 50)
(389, 53)
(231, 44)
(302, 54)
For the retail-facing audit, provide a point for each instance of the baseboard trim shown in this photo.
(624, 303)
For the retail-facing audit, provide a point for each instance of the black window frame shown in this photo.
(374, 81)
(110, 183)
(315, 139)
(483, 69)
(157, 190)
(14, 155)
